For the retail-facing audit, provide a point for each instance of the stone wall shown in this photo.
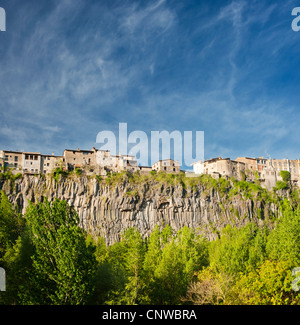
(109, 210)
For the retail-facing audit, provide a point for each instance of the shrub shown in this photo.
(285, 175)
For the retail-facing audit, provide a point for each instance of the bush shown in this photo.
(281, 185)
(285, 175)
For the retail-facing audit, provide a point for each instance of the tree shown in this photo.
(269, 284)
(63, 262)
(285, 175)
(234, 251)
(284, 241)
(14, 250)
(175, 261)
(125, 261)
(11, 224)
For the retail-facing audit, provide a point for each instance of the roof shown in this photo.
(246, 158)
(165, 160)
(215, 159)
(197, 162)
(52, 156)
(10, 151)
(79, 150)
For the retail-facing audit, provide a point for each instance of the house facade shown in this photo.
(50, 162)
(167, 165)
(11, 159)
(79, 158)
(31, 162)
(220, 167)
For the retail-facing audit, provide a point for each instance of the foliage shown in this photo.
(285, 175)
(270, 284)
(11, 224)
(281, 185)
(78, 171)
(59, 172)
(63, 263)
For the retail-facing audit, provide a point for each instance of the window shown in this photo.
(27, 157)
(165, 168)
(173, 168)
(16, 158)
(6, 157)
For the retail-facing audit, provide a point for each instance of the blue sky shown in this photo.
(72, 68)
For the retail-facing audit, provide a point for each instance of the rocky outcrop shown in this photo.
(108, 210)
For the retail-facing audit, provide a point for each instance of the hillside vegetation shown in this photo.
(50, 259)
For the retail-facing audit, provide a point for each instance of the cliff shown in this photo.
(107, 208)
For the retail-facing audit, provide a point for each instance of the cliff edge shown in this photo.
(108, 207)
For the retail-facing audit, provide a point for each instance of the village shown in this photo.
(100, 162)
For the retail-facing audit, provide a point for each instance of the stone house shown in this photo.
(1, 164)
(79, 158)
(31, 162)
(105, 159)
(198, 167)
(167, 165)
(292, 166)
(261, 164)
(12, 159)
(220, 166)
(50, 162)
(250, 163)
(145, 169)
(116, 163)
(127, 162)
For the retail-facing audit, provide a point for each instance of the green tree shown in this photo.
(236, 249)
(284, 241)
(125, 260)
(11, 224)
(175, 262)
(63, 262)
(285, 175)
(269, 284)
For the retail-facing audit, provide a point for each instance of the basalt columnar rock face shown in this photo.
(109, 210)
